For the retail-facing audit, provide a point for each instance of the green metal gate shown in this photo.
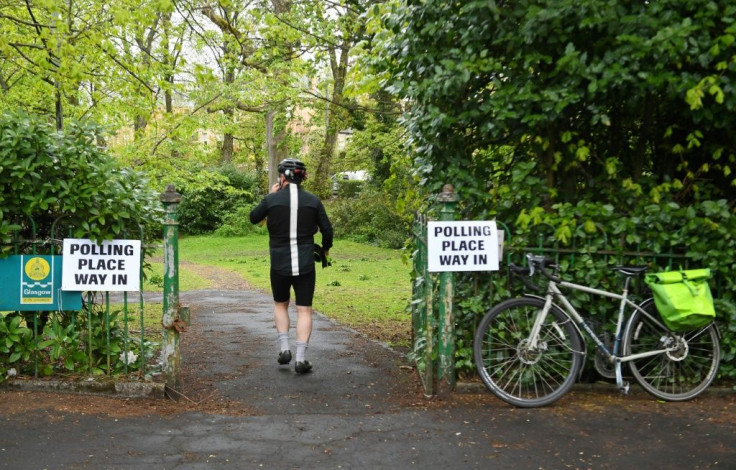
(94, 335)
(104, 334)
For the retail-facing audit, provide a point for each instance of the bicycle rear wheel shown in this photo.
(677, 375)
(515, 372)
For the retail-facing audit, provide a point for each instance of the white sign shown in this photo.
(112, 266)
(462, 246)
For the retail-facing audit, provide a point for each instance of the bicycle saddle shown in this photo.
(630, 270)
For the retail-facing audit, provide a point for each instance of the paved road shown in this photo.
(361, 408)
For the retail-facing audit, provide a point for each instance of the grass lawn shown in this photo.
(366, 288)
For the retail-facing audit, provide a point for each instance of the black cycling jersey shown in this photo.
(294, 216)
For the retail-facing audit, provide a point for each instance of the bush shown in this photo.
(211, 195)
(237, 223)
(49, 176)
(71, 342)
(349, 188)
(369, 218)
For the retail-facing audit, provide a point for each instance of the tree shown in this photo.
(594, 92)
(144, 47)
(50, 58)
(331, 32)
(250, 71)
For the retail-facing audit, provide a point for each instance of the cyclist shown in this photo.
(293, 217)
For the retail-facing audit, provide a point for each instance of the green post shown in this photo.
(446, 373)
(171, 359)
(422, 311)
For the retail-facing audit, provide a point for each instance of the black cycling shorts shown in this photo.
(303, 287)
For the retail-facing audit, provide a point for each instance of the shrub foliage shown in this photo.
(48, 176)
(602, 124)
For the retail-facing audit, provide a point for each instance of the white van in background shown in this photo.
(359, 175)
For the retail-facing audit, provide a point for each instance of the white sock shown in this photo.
(301, 351)
(284, 341)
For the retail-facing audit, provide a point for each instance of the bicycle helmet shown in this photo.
(294, 170)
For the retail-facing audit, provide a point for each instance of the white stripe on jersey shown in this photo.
(293, 209)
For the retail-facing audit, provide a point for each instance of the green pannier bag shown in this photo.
(683, 298)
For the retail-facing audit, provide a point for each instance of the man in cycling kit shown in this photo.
(293, 217)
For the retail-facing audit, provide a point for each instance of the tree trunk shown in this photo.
(227, 148)
(140, 124)
(339, 66)
(276, 151)
(59, 108)
(271, 149)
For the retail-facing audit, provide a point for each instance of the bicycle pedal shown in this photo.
(624, 388)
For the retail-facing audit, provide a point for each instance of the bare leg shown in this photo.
(303, 323)
(303, 332)
(281, 316)
(281, 319)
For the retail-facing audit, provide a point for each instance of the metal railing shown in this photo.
(102, 338)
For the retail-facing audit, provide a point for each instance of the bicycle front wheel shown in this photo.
(514, 371)
(685, 370)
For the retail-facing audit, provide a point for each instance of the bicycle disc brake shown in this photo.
(528, 355)
(677, 348)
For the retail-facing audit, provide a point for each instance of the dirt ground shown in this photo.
(221, 279)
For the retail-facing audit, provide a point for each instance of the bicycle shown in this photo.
(530, 350)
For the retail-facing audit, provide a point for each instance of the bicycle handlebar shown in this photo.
(524, 273)
(535, 262)
(541, 262)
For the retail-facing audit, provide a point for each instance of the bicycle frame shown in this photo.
(554, 292)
